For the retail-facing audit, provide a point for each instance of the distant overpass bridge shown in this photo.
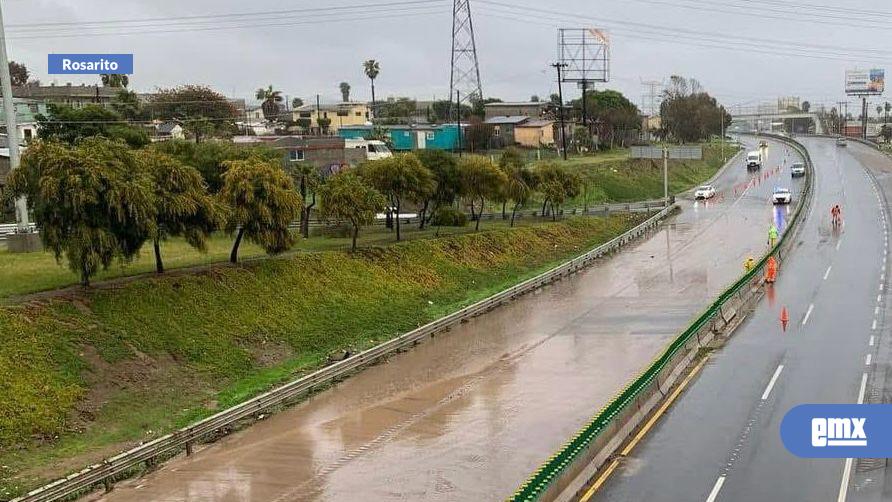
(793, 122)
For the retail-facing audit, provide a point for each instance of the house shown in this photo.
(328, 155)
(339, 115)
(168, 130)
(410, 137)
(503, 129)
(26, 119)
(534, 133)
(75, 96)
(534, 109)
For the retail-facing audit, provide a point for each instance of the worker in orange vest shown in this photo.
(771, 270)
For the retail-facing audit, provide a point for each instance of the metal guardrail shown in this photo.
(149, 454)
(634, 397)
(11, 228)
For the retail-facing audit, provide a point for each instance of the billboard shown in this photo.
(861, 82)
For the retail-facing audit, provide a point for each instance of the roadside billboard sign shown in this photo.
(865, 82)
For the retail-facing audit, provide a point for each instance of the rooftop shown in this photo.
(514, 119)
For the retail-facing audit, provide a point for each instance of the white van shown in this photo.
(754, 160)
(374, 149)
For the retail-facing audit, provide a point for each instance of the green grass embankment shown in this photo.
(93, 372)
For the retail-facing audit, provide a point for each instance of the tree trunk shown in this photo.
(479, 216)
(504, 212)
(513, 214)
(233, 256)
(399, 204)
(373, 99)
(554, 211)
(159, 265)
(355, 235)
(423, 214)
(305, 218)
(544, 205)
(388, 216)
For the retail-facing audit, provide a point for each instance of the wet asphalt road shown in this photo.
(470, 414)
(720, 442)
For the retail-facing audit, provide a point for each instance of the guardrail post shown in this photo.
(188, 448)
(107, 485)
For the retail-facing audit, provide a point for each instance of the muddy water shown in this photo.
(469, 414)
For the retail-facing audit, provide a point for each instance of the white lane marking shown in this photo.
(879, 298)
(876, 311)
(872, 340)
(873, 326)
(838, 243)
(867, 360)
(863, 388)
(827, 273)
(716, 489)
(847, 468)
(808, 314)
(771, 382)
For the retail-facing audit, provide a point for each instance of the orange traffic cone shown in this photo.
(784, 318)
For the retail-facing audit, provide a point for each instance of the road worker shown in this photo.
(836, 215)
(749, 263)
(772, 235)
(771, 270)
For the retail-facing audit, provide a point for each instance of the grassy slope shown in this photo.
(79, 380)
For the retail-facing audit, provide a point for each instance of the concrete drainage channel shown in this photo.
(566, 474)
(148, 455)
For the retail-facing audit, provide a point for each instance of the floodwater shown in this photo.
(471, 413)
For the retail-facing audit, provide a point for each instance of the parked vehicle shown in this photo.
(763, 144)
(704, 192)
(797, 169)
(754, 160)
(782, 196)
(374, 149)
(841, 141)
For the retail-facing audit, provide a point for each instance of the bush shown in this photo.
(449, 217)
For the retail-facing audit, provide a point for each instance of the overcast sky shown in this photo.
(768, 48)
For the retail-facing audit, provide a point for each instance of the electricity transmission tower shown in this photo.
(465, 71)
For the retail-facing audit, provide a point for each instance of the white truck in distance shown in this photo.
(754, 160)
(374, 149)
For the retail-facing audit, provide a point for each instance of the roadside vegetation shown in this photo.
(94, 371)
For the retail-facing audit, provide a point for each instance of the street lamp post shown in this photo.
(12, 130)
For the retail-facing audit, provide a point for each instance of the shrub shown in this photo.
(449, 217)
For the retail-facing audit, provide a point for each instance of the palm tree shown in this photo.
(271, 99)
(114, 80)
(879, 110)
(297, 103)
(345, 92)
(372, 69)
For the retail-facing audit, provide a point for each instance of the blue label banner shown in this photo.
(89, 64)
(838, 431)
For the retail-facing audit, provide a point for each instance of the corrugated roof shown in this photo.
(514, 119)
(537, 123)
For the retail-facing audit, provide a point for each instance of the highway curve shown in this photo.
(721, 441)
(470, 414)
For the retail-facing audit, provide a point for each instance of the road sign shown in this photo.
(675, 152)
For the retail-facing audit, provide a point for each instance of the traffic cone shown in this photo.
(784, 318)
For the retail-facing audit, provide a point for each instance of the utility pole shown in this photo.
(845, 120)
(863, 117)
(318, 115)
(722, 119)
(559, 67)
(839, 123)
(12, 129)
(584, 85)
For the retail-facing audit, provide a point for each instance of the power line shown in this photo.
(314, 21)
(241, 16)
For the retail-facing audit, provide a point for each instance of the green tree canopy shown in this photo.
(344, 87)
(261, 202)
(69, 125)
(18, 74)
(690, 114)
(610, 112)
(271, 99)
(202, 110)
(92, 201)
(557, 184)
(400, 178)
(447, 185)
(481, 180)
(209, 157)
(346, 197)
(183, 206)
(115, 80)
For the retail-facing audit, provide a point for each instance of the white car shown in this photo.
(754, 160)
(704, 192)
(841, 141)
(782, 196)
(797, 169)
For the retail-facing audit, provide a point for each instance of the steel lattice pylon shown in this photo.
(465, 71)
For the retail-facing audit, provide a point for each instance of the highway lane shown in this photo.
(721, 440)
(469, 414)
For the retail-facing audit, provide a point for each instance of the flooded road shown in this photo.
(469, 414)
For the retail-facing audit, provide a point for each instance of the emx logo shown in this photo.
(838, 431)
